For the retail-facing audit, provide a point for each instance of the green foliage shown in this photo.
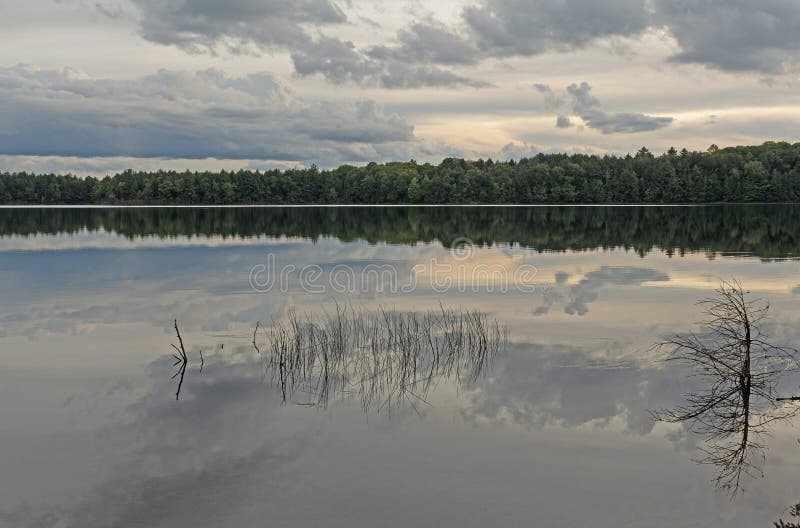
(765, 173)
(767, 231)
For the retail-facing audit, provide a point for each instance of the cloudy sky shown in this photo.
(95, 86)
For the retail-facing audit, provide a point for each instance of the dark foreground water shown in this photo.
(374, 367)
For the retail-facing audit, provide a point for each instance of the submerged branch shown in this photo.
(182, 360)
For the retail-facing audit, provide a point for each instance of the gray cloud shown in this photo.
(187, 115)
(429, 42)
(582, 99)
(518, 151)
(578, 100)
(552, 100)
(623, 123)
(250, 26)
(520, 27)
(563, 122)
(228, 486)
(537, 385)
(561, 277)
(399, 75)
(199, 25)
(576, 299)
(734, 35)
(340, 62)
(729, 35)
(586, 290)
(494, 28)
(507, 28)
(222, 443)
(100, 167)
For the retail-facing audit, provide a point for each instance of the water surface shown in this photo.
(553, 428)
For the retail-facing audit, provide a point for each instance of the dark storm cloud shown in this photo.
(734, 35)
(187, 115)
(578, 100)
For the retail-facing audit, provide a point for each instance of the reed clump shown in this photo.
(385, 358)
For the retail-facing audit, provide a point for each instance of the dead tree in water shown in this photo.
(182, 361)
(739, 370)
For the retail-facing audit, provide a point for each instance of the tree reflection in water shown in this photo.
(386, 359)
(794, 511)
(739, 372)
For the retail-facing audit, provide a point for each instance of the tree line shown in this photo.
(764, 173)
(765, 231)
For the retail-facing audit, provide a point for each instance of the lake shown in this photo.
(447, 366)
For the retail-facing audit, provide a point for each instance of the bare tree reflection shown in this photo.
(740, 371)
(794, 511)
(384, 358)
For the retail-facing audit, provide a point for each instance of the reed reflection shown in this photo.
(385, 358)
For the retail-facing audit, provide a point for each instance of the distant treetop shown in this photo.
(765, 173)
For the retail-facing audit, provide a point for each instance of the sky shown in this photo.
(97, 86)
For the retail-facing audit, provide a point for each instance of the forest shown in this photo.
(766, 173)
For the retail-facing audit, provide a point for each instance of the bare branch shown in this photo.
(740, 370)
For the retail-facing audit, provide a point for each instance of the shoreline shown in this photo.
(386, 206)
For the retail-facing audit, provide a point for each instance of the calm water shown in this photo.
(550, 427)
